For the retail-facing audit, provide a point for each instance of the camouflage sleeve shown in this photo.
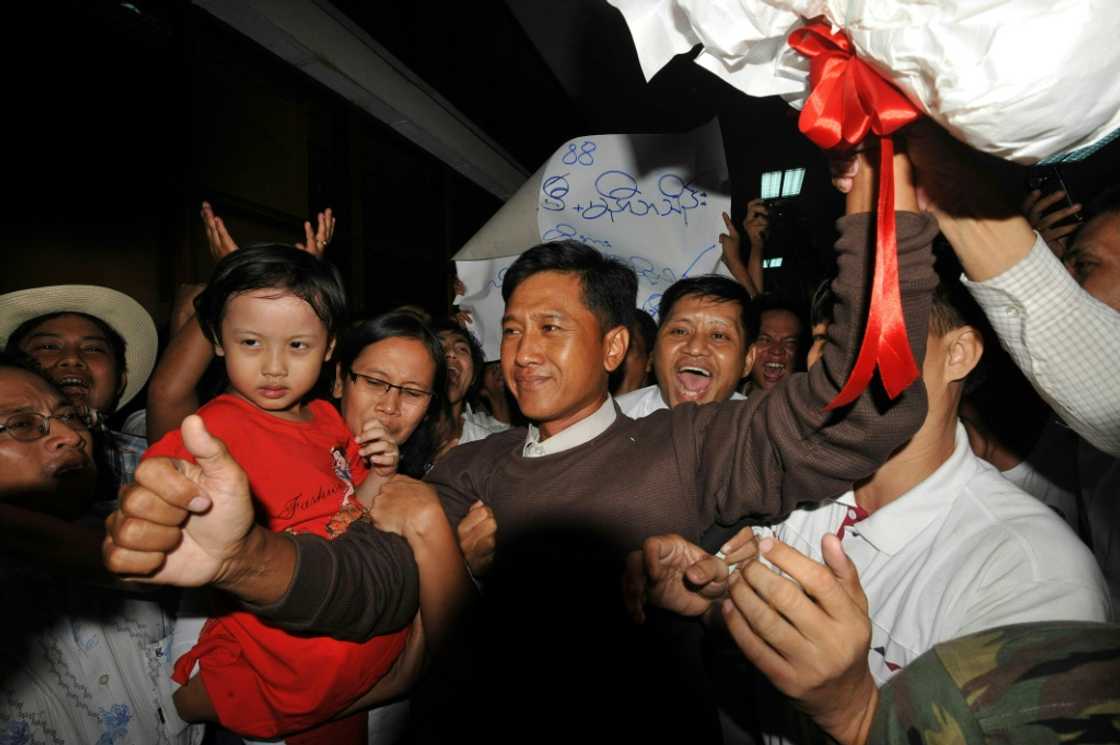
(1036, 682)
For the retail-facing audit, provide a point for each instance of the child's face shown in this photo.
(274, 346)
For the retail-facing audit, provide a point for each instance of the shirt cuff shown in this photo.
(1036, 284)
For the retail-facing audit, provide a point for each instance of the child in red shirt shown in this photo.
(273, 313)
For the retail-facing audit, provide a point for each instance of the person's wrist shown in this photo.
(851, 725)
(243, 560)
(424, 520)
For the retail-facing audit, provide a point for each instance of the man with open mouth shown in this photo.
(703, 347)
(779, 345)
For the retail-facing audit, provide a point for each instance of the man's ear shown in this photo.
(748, 361)
(123, 385)
(336, 389)
(964, 348)
(615, 344)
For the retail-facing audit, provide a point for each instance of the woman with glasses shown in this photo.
(391, 368)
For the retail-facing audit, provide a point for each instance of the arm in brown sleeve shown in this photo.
(362, 584)
(763, 456)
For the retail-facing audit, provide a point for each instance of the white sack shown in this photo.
(1026, 80)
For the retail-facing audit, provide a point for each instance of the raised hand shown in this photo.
(809, 633)
(731, 243)
(477, 534)
(182, 523)
(756, 223)
(317, 240)
(1048, 223)
(217, 237)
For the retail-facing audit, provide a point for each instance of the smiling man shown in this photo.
(703, 346)
(778, 347)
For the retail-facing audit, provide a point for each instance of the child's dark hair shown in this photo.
(419, 450)
(273, 266)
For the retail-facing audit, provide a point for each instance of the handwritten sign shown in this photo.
(651, 201)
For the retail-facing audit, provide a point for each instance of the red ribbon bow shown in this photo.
(848, 99)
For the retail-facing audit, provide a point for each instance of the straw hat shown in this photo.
(123, 314)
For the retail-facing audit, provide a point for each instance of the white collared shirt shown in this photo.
(1064, 340)
(964, 550)
(478, 425)
(585, 430)
(82, 664)
(644, 401)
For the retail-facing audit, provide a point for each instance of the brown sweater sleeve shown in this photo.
(763, 456)
(362, 584)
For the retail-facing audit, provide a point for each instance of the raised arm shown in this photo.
(764, 455)
(1039, 312)
(746, 272)
(171, 390)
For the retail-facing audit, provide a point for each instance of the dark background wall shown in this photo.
(120, 123)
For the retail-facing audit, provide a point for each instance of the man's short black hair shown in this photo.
(643, 326)
(610, 288)
(273, 266)
(116, 341)
(769, 301)
(1106, 202)
(720, 289)
(820, 307)
(478, 359)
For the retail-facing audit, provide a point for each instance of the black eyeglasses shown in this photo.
(382, 387)
(28, 426)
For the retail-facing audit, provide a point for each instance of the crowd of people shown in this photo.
(320, 530)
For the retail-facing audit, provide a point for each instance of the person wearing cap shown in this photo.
(97, 345)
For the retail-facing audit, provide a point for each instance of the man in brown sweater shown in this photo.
(584, 482)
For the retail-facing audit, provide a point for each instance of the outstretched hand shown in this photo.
(181, 523)
(809, 633)
(670, 572)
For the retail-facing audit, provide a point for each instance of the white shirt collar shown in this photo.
(891, 527)
(585, 430)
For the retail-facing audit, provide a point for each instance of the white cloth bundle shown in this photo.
(1026, 80)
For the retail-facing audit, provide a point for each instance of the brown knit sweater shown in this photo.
(685, 469)
(678, 471)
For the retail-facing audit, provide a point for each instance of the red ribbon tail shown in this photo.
(897, 367)
(885, 343)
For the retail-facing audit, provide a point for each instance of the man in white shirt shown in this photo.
(703, 346)
(944, 546)
(1060, 324)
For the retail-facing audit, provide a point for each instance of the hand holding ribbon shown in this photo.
(849, 100)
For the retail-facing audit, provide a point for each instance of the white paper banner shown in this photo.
(652, 201)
